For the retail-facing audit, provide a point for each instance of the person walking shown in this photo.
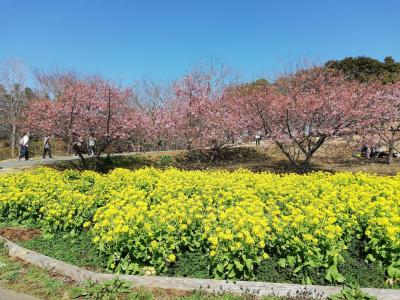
(24, 142)
(77, 146)
(91, 145)
(258, 138)
(46, 146)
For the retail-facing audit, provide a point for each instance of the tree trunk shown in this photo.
(69, 148)
(292, 161)
(83, 161)
(305, 166)
(13, 133)
(302, 166)
(78, 152)
(70, 143)
(391, 152)
(97, 165)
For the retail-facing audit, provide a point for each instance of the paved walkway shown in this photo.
(10, 164)
(6, 294)
(13, 163)
(7, 165)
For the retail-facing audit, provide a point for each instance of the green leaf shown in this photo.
(298, 269)
(220, 268)
(229, 267)
(371, 258)
(110, 260)
(249, 264)
(125, 265)
(238, 265)
(232, 274)
(291, 260)
(333, 275)
(282, 262)
(393, 272)
(133, 267)
(313, 263)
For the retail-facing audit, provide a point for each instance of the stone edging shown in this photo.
(184, 284)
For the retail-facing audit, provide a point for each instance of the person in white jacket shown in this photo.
(91, 145)
(24, 143)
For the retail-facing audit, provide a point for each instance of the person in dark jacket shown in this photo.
(46, 146)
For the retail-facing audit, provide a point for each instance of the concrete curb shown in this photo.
(184, 284)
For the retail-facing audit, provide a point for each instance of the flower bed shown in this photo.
(152, 220)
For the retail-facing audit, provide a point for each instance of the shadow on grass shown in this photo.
(252, 158)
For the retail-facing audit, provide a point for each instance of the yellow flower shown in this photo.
(154, 244)
(171, 258)
(213, 240)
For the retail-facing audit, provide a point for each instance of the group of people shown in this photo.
(78, 143)
(77, 146)
(375, 152)
(24, 147)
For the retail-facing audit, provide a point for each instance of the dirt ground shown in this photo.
(334, 156)
(17, 234)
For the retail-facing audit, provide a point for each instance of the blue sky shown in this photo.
(125, 40)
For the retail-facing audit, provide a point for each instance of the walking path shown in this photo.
(6, 294)
(13, 163)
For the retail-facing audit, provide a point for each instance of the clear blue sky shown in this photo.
(127, 39)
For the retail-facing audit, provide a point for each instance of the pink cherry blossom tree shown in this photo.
(60, 116)
(106, 115)
(386, 129)
(150, 98)
(199, 115)
(301, 111)
(85, 107)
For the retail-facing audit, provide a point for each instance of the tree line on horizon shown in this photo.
(209, 108)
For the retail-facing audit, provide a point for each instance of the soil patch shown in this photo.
(16, 234)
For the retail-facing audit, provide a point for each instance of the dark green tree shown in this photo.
(367, 69)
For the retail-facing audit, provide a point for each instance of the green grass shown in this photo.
(26, 278)
(77, 250)
(27, 224)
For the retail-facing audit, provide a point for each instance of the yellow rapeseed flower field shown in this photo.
(148, 217)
